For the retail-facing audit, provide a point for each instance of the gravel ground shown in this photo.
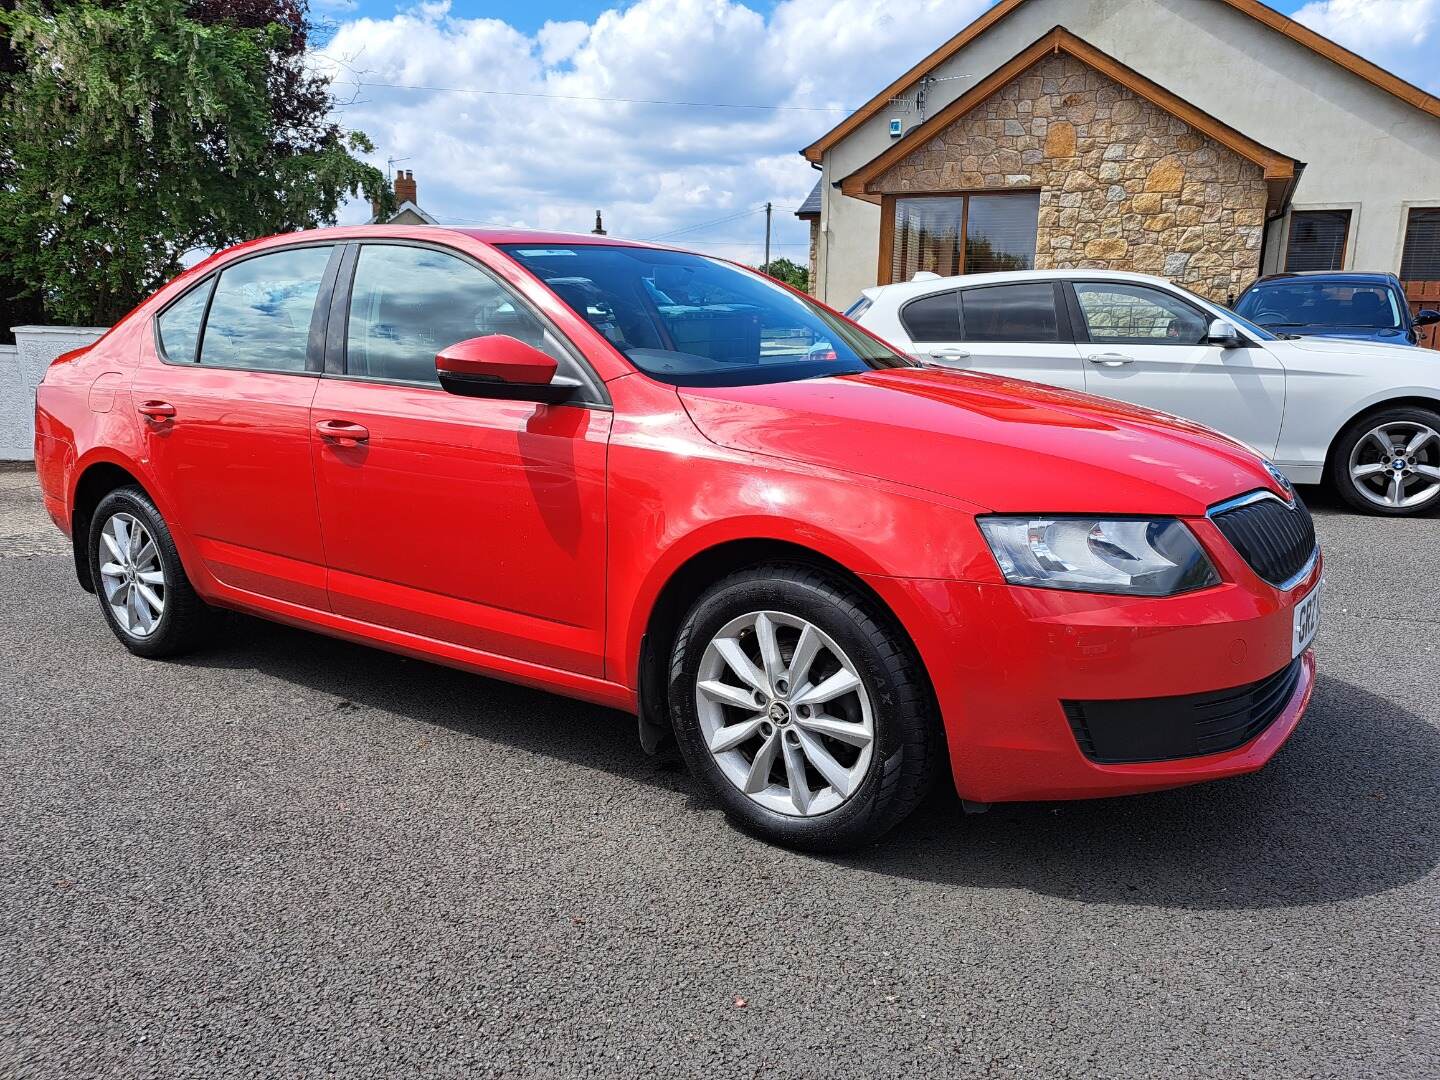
(290, 856)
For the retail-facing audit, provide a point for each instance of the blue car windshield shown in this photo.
(693, 321)
(1293, 304)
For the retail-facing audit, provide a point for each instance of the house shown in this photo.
(407, 204)
(1208, 141)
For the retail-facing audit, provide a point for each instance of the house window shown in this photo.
(964, 234)
(1317, 240)
(1421, 260)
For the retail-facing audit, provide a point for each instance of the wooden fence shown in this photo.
(1425, 294)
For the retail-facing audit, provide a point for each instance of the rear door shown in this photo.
(1019, 329)
(224, 390)
(1148, 346)
(474, 521)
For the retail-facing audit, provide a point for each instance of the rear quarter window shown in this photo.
(932, 318)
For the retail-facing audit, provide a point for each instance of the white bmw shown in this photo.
(1364, 417)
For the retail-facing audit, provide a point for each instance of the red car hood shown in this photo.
(995, 443)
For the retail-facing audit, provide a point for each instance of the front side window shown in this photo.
(260, 315)
(1317, 239)
(409, 303)
(1022, 312)
(1296, 304)
(180, 325)
(1119, 314)
(694, 321)
(964, 234)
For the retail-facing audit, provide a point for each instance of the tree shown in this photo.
(792, 274)
(136, 132)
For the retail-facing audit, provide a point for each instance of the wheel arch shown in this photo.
(96, 479)
(1399, 401)
(684, 585)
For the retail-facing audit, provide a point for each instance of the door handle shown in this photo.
(1110, 359)
(950, 354)
(156, 410)
(342, 432)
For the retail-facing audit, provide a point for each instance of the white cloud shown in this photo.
(550, 162)
(337, 5)
(1397, 34)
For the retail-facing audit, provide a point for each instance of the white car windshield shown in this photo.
(694, 321)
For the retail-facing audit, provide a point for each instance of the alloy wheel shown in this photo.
(785, 713)
(1397, 465)
(131, 575)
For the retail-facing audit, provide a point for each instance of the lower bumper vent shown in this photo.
(1135, 730)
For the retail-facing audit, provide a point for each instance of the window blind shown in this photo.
(1317, 240)
(1421, 260)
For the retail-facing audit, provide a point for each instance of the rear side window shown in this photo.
(932, 318)
(260, 316)
(180, 325)
(409, 303)
(1023, 312)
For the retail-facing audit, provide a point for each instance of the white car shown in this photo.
(1365, 417)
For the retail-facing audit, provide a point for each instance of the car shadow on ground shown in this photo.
(1349, 808)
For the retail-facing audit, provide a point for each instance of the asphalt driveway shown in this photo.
(290, 856)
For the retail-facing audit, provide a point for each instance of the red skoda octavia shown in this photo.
(666, 484)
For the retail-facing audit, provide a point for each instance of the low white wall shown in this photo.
(22, 366)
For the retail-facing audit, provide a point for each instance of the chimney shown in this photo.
(599, 229)
(405, 186)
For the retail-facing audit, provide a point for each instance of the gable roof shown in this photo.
(1279, 170)
(1357, 65)
(402, 208)
(811, 206)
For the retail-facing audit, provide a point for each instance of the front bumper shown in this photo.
(1004, 660)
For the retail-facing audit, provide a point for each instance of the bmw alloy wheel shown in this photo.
(1397, 465)
(784, 713)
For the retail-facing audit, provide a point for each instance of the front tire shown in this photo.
(1388, 462)
(799, 703)
(144, 593)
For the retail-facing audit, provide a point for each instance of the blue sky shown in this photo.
(530, 17)
(554, 146)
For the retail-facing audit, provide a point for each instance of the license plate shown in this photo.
(1306, 622)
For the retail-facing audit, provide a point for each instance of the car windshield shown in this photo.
(689, 320)
(1291, 304)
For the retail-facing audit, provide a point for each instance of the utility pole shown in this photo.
(767, 238)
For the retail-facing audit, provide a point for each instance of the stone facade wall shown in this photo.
(1123, 184)
(814, 255)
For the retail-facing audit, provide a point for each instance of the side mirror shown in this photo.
(498, 366)
(1224, 333)
(1426, 317)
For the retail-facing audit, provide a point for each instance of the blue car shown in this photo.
(1364, 306)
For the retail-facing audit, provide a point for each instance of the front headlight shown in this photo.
(1139, 557)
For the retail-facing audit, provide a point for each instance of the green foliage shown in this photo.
(134, 133)
(792, 274)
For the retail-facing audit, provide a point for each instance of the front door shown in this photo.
(223, 391)
(473, 521)
(1148, 346)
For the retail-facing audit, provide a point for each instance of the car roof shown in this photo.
(1328, 275)
(902, 290)
(490, 235)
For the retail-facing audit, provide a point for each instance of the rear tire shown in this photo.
(1388, 462)
(797, 700)
(144, 594)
